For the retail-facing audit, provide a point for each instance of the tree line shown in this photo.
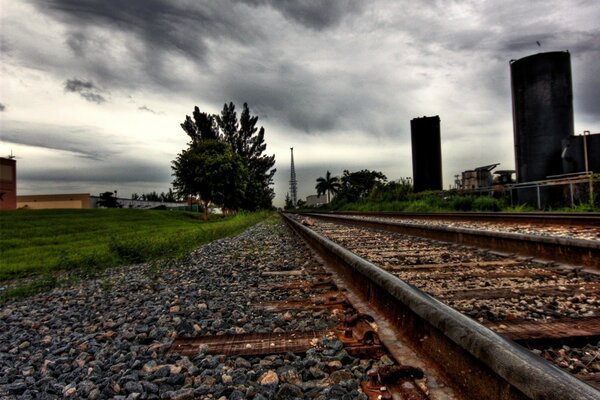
(224, 163)
(168, 197)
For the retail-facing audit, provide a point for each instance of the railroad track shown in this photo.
(545, 218)
(480, 318)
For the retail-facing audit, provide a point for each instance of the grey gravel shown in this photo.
(108, 337)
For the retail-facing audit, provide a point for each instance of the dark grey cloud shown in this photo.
(147, 109)
(118, 171)
(83, 142)
(2, 107)
(86, 89)
(315, 14)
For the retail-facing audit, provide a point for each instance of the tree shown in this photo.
(228, 125)
(211, 170)
(202, 127)
(327, 185)
(248, 142)
(168, 197)
(108, 200)
(356, 185)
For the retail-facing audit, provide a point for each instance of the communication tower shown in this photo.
(293, 182)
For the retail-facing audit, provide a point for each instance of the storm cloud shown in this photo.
(86, 89)
(338, 80)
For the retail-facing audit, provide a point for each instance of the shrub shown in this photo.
(461, 203)
(487, 204)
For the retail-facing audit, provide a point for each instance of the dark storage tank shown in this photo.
(426, 153)
(542, 97)
(574, 157)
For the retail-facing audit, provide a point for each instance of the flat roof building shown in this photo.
(8, 183)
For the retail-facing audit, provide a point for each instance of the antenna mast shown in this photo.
(293, 182)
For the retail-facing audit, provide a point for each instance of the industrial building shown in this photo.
(480, 177)
(84, 200)
(542, 95)
(47, 201)
(8, 183)
(316, 201)
(581, 153)
(426, 153)
(547, 152)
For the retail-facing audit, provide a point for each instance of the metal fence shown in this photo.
(568, 190)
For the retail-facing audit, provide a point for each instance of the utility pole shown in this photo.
(293, 182)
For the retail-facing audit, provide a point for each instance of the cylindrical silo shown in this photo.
(426, 153)
(542, 97)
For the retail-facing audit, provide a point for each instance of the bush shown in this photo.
(487, 204)
(461, 203)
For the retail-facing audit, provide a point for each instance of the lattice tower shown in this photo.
(293, 182)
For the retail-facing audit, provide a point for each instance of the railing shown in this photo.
(578, 188)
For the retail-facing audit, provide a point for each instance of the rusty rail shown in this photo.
(477, 361)
(581, 219)
(568, 251)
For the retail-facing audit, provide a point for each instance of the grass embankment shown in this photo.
(38, 243)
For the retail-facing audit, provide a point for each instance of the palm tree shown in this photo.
(327, 185)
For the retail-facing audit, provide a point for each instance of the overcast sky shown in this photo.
(92, 92)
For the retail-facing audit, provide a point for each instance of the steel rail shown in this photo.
(474, 359)
(580, 219)
(565, 250)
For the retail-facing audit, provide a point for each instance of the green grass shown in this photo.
(37, 243)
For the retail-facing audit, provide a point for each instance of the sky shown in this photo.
(93, 92)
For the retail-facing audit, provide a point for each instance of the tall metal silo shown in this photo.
(542, 94)
(426, 153)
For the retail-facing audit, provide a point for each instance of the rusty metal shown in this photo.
(591, 379)
(305, 284)
(359, 340)
(476, 361)
(568, 251)
(546, 218)
(248, 344)
(523, 273)
(283, 273)
(395, 381)
(512, 292)
(315, 301)
(454, 266)
(554, 332)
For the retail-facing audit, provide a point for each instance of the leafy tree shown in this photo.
(202, 127)
(399, 190)
(168, 197)
(248, 142)
(108, 200)
(357, 185)
(327, 185)
(228, 125)
(211, 170)
(152, 196)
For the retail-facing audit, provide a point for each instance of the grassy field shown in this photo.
(39, 242)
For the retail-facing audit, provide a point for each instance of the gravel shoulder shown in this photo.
(108, 337)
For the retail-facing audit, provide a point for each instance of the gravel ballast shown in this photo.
(108, 337)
